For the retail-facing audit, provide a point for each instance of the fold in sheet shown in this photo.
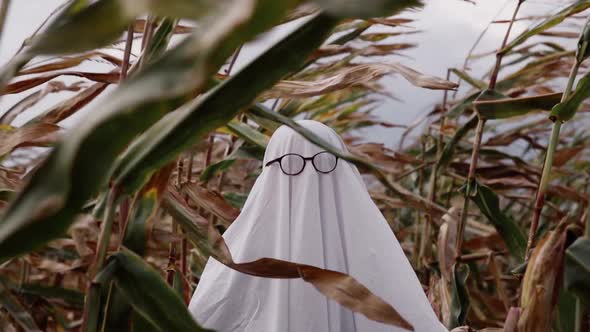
(324, 220)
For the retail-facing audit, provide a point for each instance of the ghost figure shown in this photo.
(322, 216)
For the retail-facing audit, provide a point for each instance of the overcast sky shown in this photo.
(448, 30)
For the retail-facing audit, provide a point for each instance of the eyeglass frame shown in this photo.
(304, 162)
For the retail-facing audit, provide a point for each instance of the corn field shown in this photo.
(106, 224)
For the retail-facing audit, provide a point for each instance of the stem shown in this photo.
(478, 135)
(432, 185)
(105, 233)
(172, 250)
(184, 243)
(127, 54)
(147, 31)
(470, 185)
(548, 164)
(422, 234)
(476, 43)
(500, 53)
(124, 208)
(242, 118)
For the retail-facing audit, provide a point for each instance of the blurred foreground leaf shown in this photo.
(74, 171)
(179, 130)
(150, 295)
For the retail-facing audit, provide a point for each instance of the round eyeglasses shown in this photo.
(293, 164)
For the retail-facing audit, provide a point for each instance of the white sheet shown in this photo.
(325, 220)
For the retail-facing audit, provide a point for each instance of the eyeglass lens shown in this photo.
(292, 164)
(323, 162)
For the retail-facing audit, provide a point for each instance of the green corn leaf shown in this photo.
(489, 204)
(149, 294)
(179, 130)
(509, 107)
(567, 109)
(449, 148)
(577, 269)
(469, 79)
(186, 219)
(566, 313)
(99, 285)
(548, 23)
(459, 296)
(140, 324)
(235, 199)
(70, 296)
(74, 172)
(142, 211)
(466, 103)
(215, 168)
(248, 133)
(160, 40)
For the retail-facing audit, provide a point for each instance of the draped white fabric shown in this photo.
(325, 220)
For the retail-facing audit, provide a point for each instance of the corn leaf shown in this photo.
(459, 296)
(509, 107)
(548, 23)
(577, 269)
(149, 294)
(449, 148)
(215, 168)
(248, 133)
(566, 110)
(489, 204)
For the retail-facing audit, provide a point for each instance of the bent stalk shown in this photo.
(478, 135)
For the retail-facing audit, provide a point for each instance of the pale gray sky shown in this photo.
(449, 29)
